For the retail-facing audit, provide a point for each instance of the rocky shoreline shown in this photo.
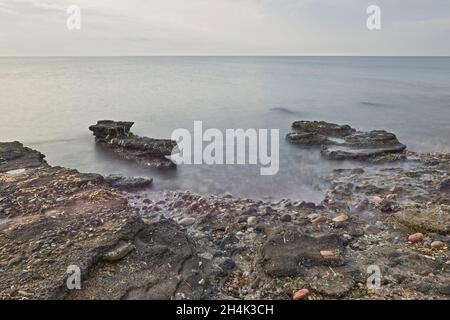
(134, 243)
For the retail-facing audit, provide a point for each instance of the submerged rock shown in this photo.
(116, 135)
(128, 183)
(342, 142)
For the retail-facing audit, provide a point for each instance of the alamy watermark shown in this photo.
(234, 146)
(74, 280)
(74, 18)
(374, 18)
(374, 280)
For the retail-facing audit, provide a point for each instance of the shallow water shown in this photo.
(48, 103)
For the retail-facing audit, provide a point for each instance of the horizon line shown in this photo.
(225, 56)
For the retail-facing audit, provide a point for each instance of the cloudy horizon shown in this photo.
(224, 27)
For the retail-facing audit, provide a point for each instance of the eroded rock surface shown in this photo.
(14, 157)
(342, 142)
(116, 136)
(145, 244)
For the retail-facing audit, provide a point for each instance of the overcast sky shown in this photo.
(224, 27)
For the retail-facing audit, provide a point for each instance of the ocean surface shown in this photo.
(48, 104)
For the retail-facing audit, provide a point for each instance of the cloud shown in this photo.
(235, 27)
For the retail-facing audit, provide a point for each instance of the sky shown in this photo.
(224, 27)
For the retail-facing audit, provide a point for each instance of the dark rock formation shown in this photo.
(14, 156)
(342, 142)
(128, 183)
(52, 218)
(181, 245)
(290, 253)
(116, 135)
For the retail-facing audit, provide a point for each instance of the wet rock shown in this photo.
(250, 211)
(445, 185)
(387, 206)
(445, 289)
(128, 183)
(286, 218)
(14, 156)
(116, 136)
(270, 210)
(371, 229)
(341, 142)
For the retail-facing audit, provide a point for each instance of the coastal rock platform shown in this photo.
(116, 136)
(144, 244)
(342, 142)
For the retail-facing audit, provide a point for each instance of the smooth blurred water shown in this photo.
(48, 103)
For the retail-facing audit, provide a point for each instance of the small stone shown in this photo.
(251, 221)
(286, 218)
(415, 237)
(300, 294)
(341, 218)
(362, 205)
(186, 221)
(250, 211)
(445, 290)
(119, 252)
(319, 220)
(326, 253)
(313, 216)
(206, 256)
(445, 185)
(437, 244)
(270, 210)
(371, 229)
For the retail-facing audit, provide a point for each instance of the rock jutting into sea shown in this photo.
(342, 142)
(143, 244)
(116, 136)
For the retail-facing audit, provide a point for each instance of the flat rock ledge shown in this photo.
(116, 136)
(342, 142)
(14, 156)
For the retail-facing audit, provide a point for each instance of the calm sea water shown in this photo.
(48, 103)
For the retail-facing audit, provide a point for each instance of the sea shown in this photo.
(48, 103)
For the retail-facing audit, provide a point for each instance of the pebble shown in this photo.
(251, 221)
(286, 218)
(415, 237)
(371, 229)
(341, 218)
(119, 252)
(301, 294)
(319, 220)
(270, 210)
(187, 221)
(437, 244)
(326, 253)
